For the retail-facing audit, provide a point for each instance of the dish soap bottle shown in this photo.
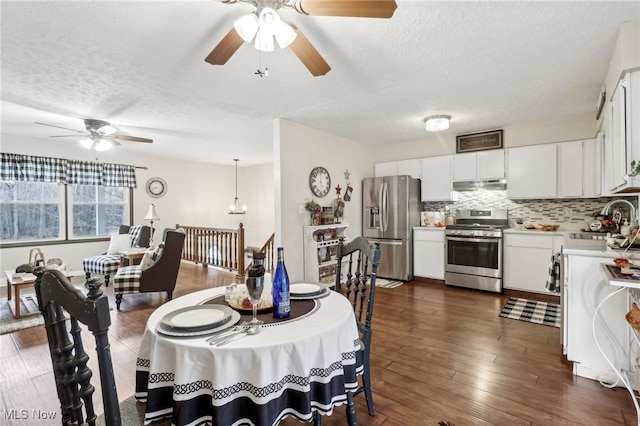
(625, 229)
(281, 288)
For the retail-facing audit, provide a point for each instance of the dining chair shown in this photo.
(159, 275)
(360, 261)
(107, 264)
(62, 304)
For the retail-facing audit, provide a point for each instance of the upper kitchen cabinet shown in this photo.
(531, 171)
(479, 165)
(592, 166)
(397, 168)
(624, 132)
(410, 167)
(436, 178)
(570, 169)
(388, 168)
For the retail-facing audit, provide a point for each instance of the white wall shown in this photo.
(297, 150)
(198, 194)
(566, 129)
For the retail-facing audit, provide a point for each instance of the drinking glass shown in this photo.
(255, 285)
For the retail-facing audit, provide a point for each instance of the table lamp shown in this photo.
(151, 216)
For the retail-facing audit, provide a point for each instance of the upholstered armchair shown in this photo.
(107, 264)
(156, 272)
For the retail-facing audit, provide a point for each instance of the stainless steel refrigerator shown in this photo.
(391, 208)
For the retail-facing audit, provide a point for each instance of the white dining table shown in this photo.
(290, 368)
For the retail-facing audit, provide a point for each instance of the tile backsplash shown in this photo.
(571, 213)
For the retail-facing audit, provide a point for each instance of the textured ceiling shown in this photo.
(140, 65)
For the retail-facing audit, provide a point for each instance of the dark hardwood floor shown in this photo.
(438, 354)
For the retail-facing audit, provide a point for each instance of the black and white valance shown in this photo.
(46, 169)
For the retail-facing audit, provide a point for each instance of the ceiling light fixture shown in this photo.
(235, 207)
(437, 123)
(264, 25)
(97, 143)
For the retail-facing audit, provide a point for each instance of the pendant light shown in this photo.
(235, 207)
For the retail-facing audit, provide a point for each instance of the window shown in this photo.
(97, 210)
(37, 210)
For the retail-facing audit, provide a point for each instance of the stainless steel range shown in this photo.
(474, 249)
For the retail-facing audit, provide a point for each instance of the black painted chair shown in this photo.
(61, 303)
(161, 275)
(360, 262)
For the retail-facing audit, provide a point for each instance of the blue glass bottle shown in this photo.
(281, 288)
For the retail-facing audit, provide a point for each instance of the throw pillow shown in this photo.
(147, 259)
(119, 242)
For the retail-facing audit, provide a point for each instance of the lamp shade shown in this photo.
(437, 123)
(284, 34)
(247, 27)
(152, 214)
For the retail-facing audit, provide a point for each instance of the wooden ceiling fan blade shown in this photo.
(347, 8)
(308, 55)
(64, 128)
(132, 138)
(65, 136)
(225, 49)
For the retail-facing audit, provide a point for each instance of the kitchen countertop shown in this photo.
(534, 232)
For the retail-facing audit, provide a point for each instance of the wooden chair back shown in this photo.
(64, 308)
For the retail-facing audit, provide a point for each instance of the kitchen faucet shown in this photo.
(632, 209)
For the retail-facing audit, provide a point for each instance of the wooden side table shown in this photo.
(131, 256)
(18, 281)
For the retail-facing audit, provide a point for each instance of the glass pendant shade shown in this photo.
(87, 143)
(264, 28)
(103, 144)
(235, 208)
(247, 27)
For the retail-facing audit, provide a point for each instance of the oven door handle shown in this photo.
(474, 240)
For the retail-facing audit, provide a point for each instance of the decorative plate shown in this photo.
(200, 316)
(177, 332)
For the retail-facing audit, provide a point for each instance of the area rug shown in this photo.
(9, 323)
(382, 282)
(532, 311)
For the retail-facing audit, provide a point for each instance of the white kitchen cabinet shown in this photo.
(436, 178)
(531, 171)
(479, 165)
(410, 167)
(570, 169)
(592, 167)
(388, 168)
(624, 131)
(428, 253)
(320, 244)
(584, 288)
(527, 257)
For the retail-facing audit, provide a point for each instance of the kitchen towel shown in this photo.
(553, 278)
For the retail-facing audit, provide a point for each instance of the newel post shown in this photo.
(240, 254)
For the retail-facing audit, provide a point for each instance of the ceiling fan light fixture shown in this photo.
(437, 123)
(107, 130)
(264, 42)
(247, 27)
(269, 18)
(285, 35)
(103, 144)
(86, 143)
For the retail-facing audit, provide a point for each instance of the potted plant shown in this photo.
(314, 210)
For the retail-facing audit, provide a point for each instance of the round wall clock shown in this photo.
(156, 187)
(319, 181)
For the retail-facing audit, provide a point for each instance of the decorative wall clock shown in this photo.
(156, 187)
(319, 181)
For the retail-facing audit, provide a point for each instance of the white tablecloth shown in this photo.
(289, 368)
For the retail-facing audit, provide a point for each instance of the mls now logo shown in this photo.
(15, 414)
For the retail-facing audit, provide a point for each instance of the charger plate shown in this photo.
(177, 332)
(306, 289)
(196, 317)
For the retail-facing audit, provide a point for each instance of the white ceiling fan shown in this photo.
(263, 25)
(98, 134)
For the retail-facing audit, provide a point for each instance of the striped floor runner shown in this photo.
(532, 311)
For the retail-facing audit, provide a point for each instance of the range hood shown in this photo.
(474, 185)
